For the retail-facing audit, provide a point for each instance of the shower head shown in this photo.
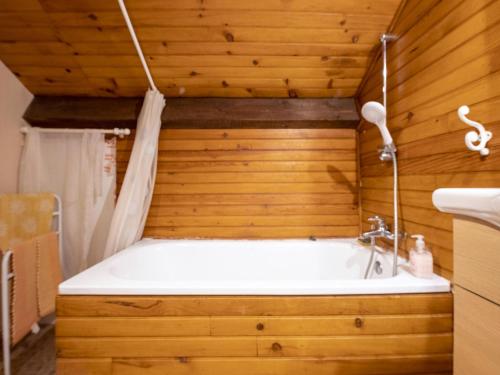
(374, 112)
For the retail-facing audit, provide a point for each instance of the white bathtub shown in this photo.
(246, 267)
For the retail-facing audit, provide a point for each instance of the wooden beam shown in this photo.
(217, 113)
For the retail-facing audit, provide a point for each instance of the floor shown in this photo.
(36, 354)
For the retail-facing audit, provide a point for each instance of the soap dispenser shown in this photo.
(421, 263)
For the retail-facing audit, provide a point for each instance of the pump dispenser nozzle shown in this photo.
(419, 243)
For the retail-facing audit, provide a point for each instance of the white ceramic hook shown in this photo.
(482, 136)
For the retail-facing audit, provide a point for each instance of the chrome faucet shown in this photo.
(379, 230)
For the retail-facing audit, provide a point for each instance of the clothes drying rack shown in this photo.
(7, 276)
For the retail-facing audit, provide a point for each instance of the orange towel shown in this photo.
(48, 272)
(24, 311)
(24, 216)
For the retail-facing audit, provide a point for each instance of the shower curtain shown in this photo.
(72, 166)
(136, 192)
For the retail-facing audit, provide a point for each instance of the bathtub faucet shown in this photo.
(379, 230)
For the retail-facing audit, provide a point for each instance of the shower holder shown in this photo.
(471, 138)
(386, 152)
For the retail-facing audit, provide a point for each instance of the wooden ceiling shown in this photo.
(200, 48)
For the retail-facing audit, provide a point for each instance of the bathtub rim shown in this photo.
(105, 283)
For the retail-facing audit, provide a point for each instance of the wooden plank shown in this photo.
(249, 188)
(257, 166)
(212, 72)
(288, 200)
(330, 325)
(247, 346)
(439, 343)
(363, 6)
(222, 177)
(123, 306)
(208, 61)
(199, 82)
(253, 221)
(198, 113)
(248, 155)
(277, 232)
(139, 347)
(207, 17)
(219, 48)
(128, 327)
(205, 34)
(283, 366)
(251, 210)
(246, 133)
(248, 144)
(254, 326)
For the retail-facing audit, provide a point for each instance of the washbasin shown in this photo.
(480, 203)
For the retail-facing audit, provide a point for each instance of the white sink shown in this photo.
(482, 204)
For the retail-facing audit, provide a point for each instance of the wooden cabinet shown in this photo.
(477, 298)
(477, 335)
(477, 258)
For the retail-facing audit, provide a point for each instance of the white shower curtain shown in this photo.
(72, 166)
(136, 192)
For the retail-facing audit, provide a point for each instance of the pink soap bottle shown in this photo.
(421, 264)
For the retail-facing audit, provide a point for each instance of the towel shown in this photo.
(24, 216)
(24, 310)
(48, 272)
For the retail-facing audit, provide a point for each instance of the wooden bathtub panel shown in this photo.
(253, 326)
(217, 335)
(123, 306)
(285, 366)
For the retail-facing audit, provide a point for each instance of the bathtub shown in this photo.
(248, 267)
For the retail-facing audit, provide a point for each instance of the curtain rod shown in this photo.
(120, 132)
(131, 30)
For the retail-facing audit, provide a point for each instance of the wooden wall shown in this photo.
(253, 183)
(447, 55)
(245, 335)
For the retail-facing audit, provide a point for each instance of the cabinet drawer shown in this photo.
(477, 258)
(477, 335)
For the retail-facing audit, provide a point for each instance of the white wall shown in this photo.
(14, 99)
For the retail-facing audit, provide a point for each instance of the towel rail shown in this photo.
(7, 276)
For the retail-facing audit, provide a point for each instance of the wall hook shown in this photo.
(482, 136)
